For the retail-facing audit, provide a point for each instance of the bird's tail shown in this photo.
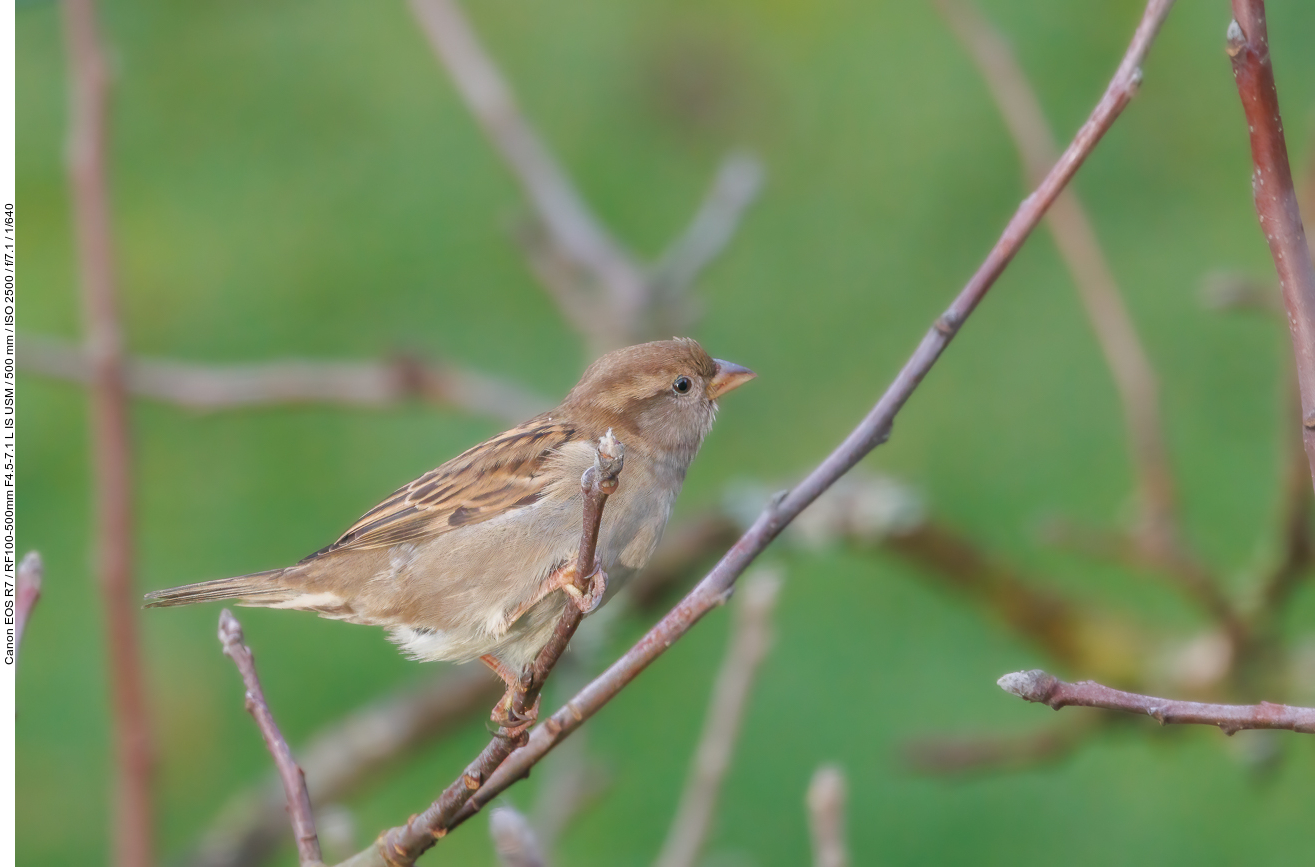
(259, 588)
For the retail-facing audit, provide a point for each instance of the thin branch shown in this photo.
(1038, 686)
(400, 846)
(211, 388)
(89, 85)
(514, 840)
(27, 591)
(826, 798)
(713, 590)
(294, 782)
(1125, 355)
(565, 215)
(339, 758)
(750, 638)
(1275, 196)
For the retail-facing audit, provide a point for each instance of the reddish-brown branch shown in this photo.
(111, 454)
(27, 590)
(750, 639)
(1276, 197)
(294, 781)
(871, 432)
(1043, 688)
(400, 846)
(211, 388)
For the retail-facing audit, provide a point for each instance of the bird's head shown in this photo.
(656, 396)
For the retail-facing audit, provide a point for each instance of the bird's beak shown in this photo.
(729, 376)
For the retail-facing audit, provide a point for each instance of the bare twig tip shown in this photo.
(1034, 685)
(230, 630)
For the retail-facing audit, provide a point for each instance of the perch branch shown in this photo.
(89, 85)
(27, 591)
(826, 816)
(339, 758)
(871, 432)
(750, 639)
(294, 781)
(210, 388)
(400, 846)
(1275, 196)
(1038, 686)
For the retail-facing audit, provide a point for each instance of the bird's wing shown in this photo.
(500, 474)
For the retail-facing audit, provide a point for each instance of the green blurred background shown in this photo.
(297, 178)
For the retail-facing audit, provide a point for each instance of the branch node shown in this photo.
(1235, 39)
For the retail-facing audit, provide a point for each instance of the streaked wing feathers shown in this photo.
(502, 473)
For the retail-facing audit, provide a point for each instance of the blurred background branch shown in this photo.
(751, 636)
(88, 136)
(601, 288)
(212, 388)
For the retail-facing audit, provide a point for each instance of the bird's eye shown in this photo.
(681, 385)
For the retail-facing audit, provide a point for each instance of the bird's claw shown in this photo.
(512, 722)
(589, 600)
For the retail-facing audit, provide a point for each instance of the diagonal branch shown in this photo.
(750, 639)
(1275, 196)
(294, 781)
(400, 846)
(1038, 686)
(210, 388)
(713, 590)
(111, 451)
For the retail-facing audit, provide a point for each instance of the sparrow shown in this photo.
(471, 559)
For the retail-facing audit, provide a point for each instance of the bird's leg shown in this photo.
(504, 714)
(561, 578)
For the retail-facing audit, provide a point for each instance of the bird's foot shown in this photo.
(514, 724)
(589, 600)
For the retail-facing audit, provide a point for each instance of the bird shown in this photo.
(471, 560)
